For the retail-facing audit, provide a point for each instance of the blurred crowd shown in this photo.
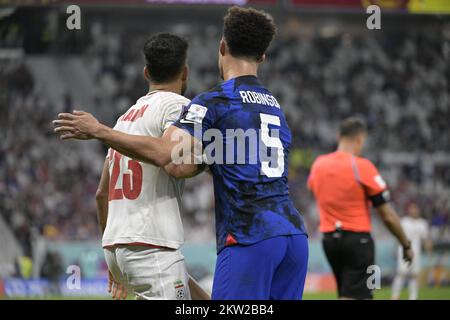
(46, 187)
(399, 82)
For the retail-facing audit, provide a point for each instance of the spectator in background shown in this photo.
(52, 270)
(416, 228)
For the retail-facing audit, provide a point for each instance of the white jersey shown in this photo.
(417, 231)
(144, 201)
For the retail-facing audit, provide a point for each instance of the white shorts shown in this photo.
(150, 273)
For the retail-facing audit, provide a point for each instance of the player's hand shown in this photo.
(110, 281)
(77, 125)
(408, 255)
(116, 289)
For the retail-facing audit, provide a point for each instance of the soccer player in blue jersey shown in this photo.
(261, 238)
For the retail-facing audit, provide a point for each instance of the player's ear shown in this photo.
(262, 58)
(222, 47)
(363, 138)
(146, 73)
(185, 74)
(360, 139)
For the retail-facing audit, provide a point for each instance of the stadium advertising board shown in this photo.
(140, 2)
(16, 287)
(413, 6)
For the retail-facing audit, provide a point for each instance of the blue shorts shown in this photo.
(272, 269)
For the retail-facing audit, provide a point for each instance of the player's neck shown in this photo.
(238, 68)
(169, 87)
(347, 147)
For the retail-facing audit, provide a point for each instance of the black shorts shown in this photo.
(350, 254)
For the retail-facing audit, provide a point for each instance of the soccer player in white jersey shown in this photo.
(416, 228)
(138, 204)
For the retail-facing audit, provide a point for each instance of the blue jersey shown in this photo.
(250, 166)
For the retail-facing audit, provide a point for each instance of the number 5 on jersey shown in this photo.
(272, 142)
(131, 175)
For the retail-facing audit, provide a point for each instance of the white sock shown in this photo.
(397, 285)
(413, 288)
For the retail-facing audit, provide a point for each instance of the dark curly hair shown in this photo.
(165, 55)
(248, 32)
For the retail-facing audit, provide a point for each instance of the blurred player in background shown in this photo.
(343, 183)
(261, 238)
(138, 204)
(416, 228)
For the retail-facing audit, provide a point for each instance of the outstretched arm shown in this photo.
(188, 165)
(184, 171)
(154, 150)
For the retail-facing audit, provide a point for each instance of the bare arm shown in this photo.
(115, 288)
(184, 170)
(157, 151)
(101, 198)
(392, 222)
(189, 166)
(154, 150)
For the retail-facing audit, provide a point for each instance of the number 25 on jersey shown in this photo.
(131, 174)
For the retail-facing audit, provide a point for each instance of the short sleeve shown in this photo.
(171, 114)
(370, 178)
(197, 117)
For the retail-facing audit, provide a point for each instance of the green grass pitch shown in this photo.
(382, 294)
(425, 293)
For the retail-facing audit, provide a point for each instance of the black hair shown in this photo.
(248, 32)
(165, 56)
